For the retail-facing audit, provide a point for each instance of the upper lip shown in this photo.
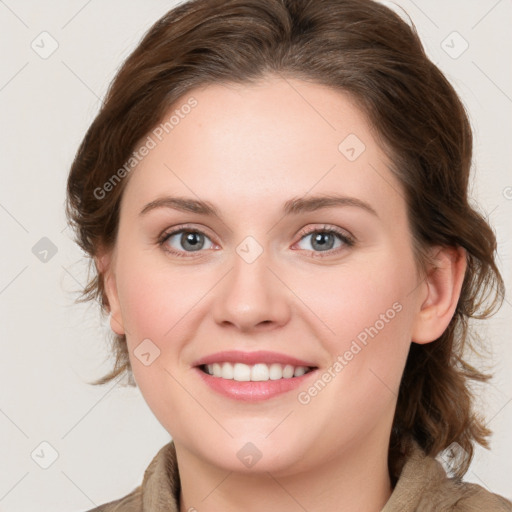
(250, 358)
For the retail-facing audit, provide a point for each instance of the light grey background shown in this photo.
(104, 437)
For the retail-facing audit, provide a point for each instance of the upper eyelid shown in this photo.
(184, 227)
(205, 230)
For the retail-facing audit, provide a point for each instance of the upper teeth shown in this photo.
(257, 372)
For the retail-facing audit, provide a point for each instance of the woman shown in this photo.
(274, 195)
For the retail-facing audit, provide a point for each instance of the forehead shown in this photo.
(257, 143)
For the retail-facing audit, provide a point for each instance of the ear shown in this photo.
(442, 288)
(105, 266)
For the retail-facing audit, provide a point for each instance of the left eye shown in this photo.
(325, 240)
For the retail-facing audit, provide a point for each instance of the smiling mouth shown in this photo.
(259, 372)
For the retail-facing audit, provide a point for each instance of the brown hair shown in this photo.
(364, 49)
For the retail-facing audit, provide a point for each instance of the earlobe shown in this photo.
(443, 285)
(105, 267)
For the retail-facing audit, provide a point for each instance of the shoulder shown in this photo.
(474, 497)
(424, 486)
(458, 496)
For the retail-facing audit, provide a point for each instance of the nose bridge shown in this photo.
(251, 295)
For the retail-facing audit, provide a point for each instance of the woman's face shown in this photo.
(329, 284)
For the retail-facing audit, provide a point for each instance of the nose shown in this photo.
(252, 296)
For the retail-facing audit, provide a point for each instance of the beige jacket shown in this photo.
(423, 486)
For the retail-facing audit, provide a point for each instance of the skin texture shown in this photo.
(247, 150)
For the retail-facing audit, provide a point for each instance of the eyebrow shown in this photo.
(294, 206)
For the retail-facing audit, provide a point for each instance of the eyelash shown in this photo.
(347, 240)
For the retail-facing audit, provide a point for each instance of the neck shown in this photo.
(355, 480)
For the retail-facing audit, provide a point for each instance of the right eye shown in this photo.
(181, 241)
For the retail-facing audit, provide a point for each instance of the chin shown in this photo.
(256, 456)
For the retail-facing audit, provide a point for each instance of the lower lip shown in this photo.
(249, 391)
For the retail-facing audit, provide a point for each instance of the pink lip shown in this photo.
(260, 356)
(252, 391)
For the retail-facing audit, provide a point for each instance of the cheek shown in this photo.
(153, 298)
(154, 309)
(159, 303)
(369, 314)
(141, 306)
(360, 296)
